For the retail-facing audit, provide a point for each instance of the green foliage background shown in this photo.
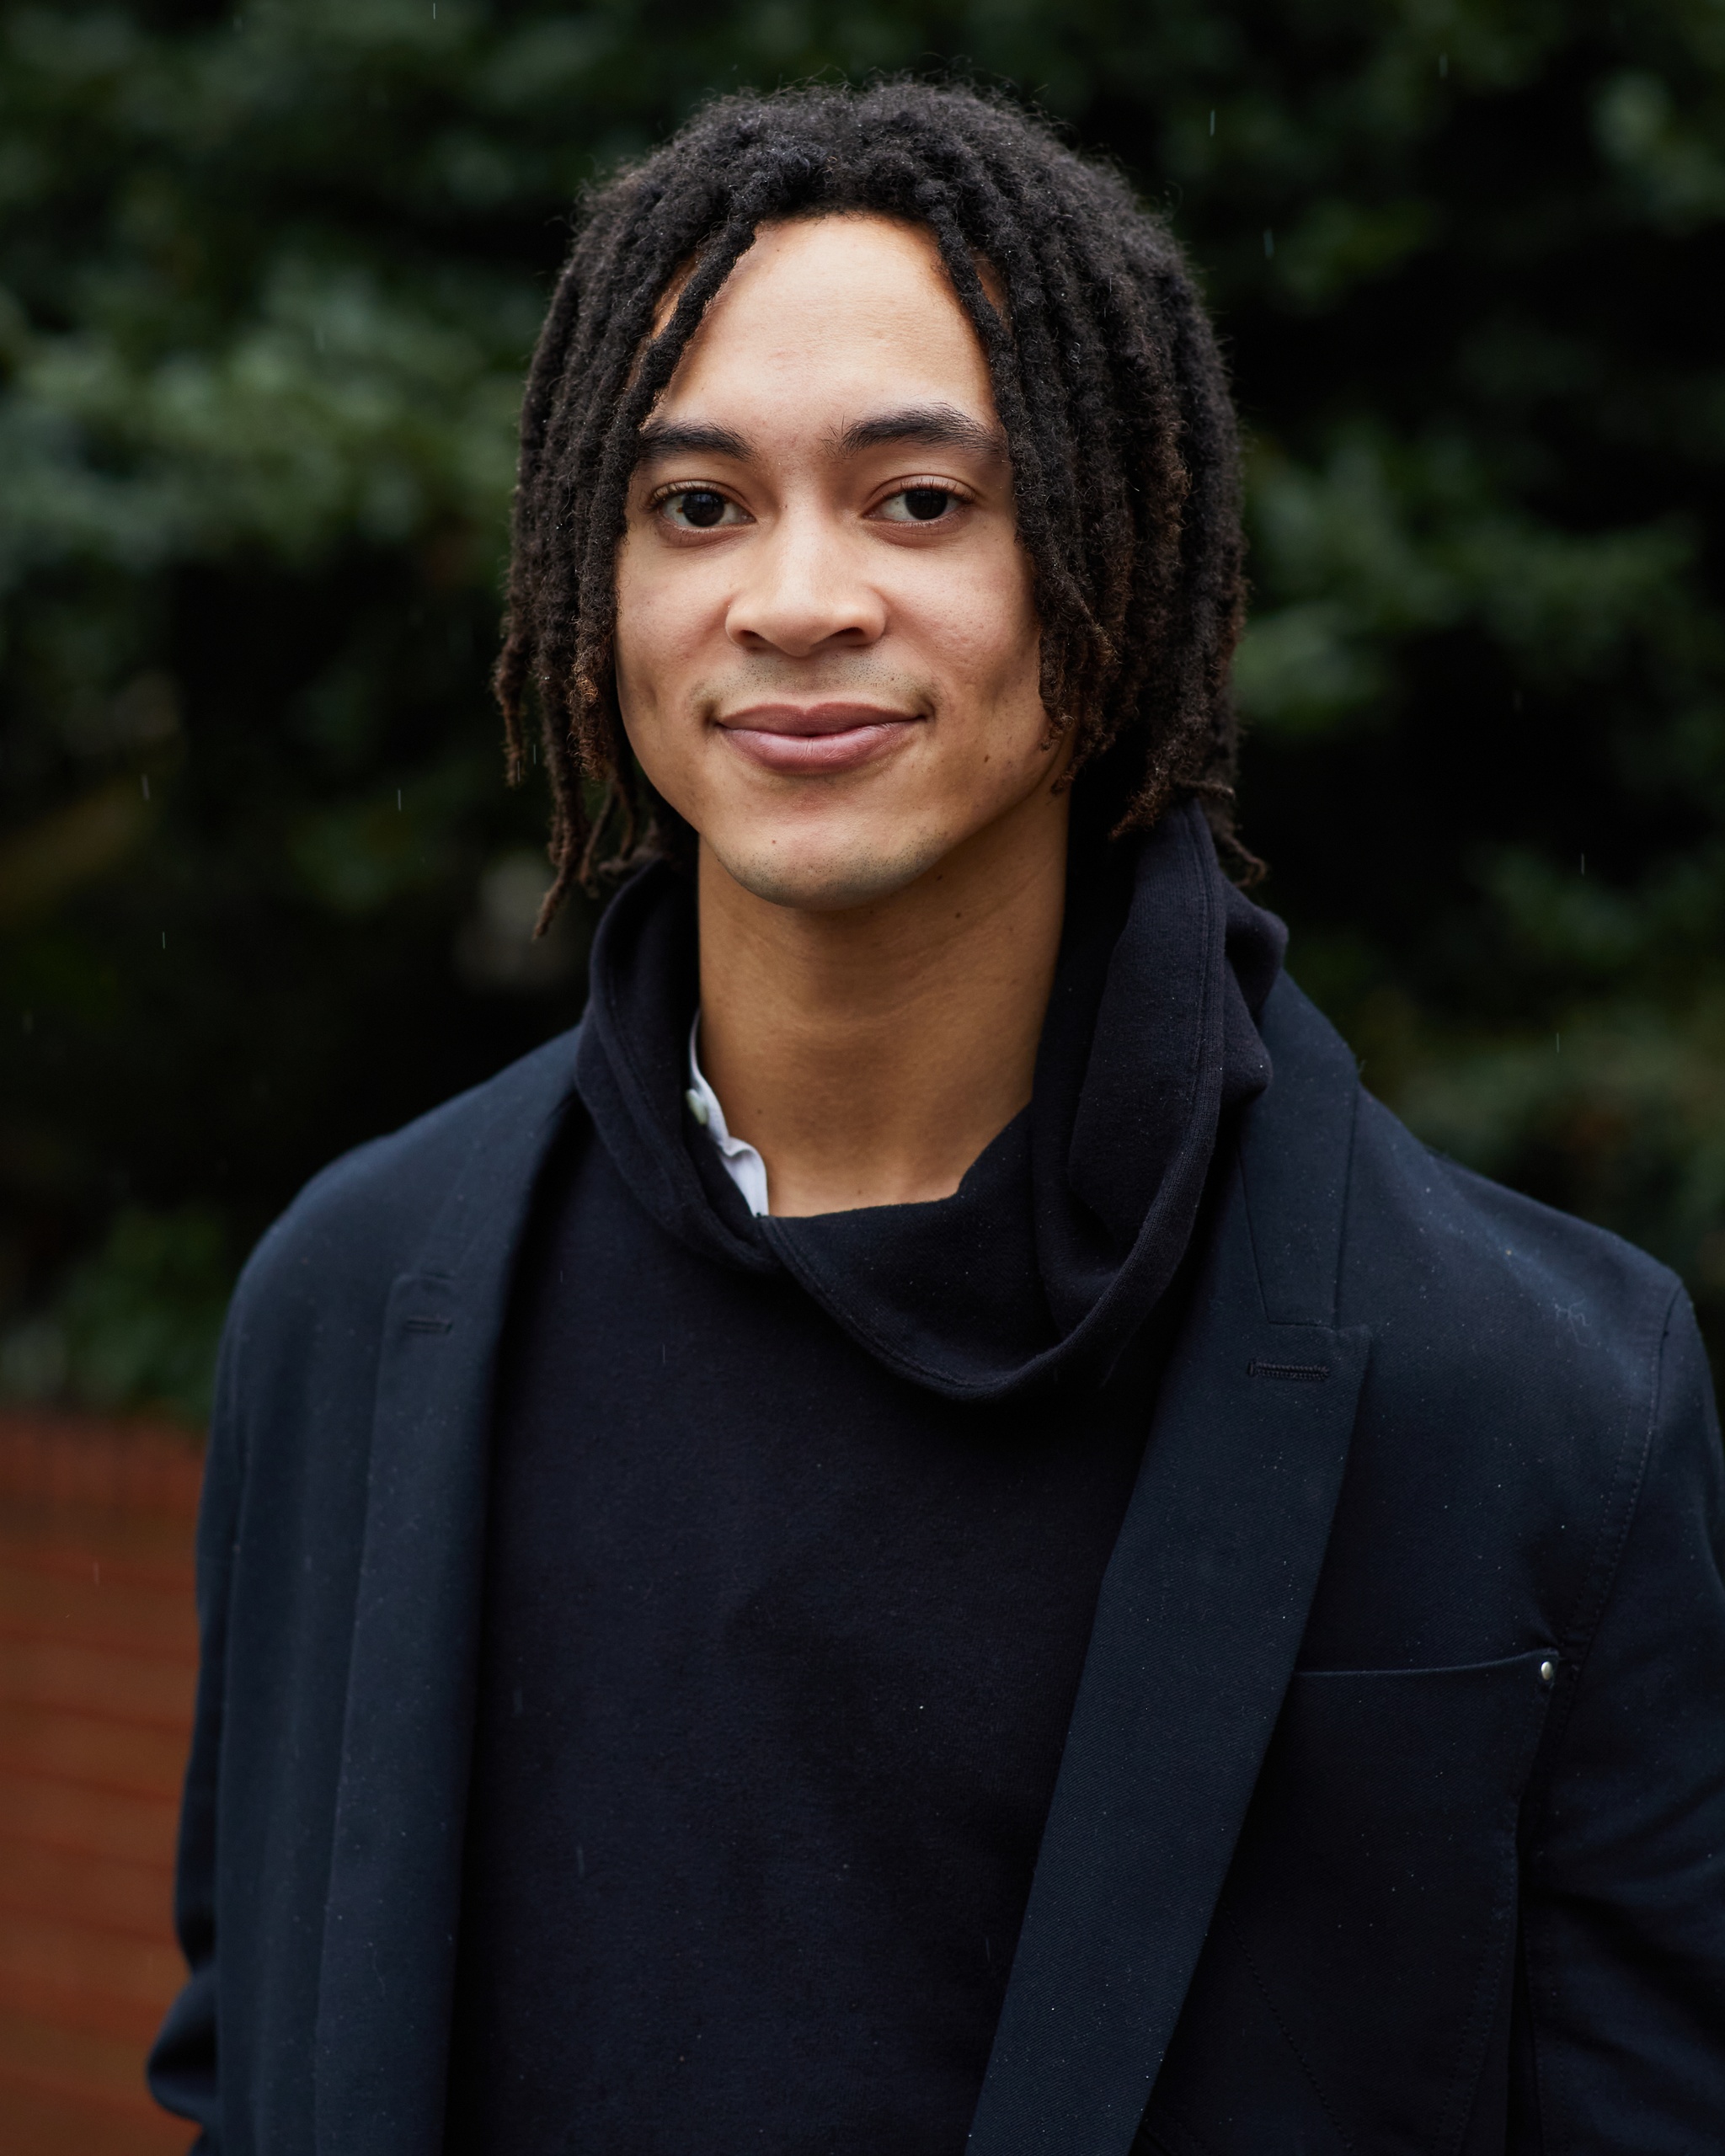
(268, 281)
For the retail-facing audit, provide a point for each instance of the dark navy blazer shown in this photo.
(1392, 1817)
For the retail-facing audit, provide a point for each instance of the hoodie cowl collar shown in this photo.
(1068, 1229)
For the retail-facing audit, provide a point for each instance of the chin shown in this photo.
(828, 873)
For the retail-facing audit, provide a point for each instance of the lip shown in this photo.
(813, 740)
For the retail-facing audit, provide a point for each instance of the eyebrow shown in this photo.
(931, 426)
(670, 438)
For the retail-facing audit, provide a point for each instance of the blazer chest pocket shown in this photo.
(1349, 1988)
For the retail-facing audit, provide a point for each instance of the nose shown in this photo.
(804, 591)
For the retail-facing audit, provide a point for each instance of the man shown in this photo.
(934, 1526)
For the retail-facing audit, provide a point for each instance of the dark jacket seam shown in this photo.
(1576, 1644)
(1465, 2092)
(1346, 1203)
(1312, 2081)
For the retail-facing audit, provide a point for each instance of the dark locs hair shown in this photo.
(1106, 377)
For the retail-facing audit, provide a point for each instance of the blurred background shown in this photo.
(269, 277)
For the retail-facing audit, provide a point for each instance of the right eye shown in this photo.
(698, 508)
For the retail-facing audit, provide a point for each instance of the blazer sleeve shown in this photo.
(1623, 1916)
(183, 2067)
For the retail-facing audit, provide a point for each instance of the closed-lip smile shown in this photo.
(814, 739)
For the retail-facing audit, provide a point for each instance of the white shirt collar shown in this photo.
(742, 1163)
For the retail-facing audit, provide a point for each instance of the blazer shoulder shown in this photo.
(369, 1215)
(1531, 1388)
(1429, 1251)
(1474, 1291)
(1462, 1223)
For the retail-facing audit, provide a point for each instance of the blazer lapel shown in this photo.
(1196, 1628)
(389, 1939)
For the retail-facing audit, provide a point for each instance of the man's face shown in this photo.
(826, 649)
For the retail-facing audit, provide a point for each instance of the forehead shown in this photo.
(822, 316)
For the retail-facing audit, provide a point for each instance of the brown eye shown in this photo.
(918, 505)
(699, 509)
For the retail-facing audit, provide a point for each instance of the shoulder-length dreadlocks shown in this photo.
(1106, 375)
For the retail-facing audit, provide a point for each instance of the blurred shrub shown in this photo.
(135, 1324)
(268, 281)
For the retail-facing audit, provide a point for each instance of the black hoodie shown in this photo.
(797, 1531)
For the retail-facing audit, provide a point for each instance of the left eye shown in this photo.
(699, 509)
(918, 505)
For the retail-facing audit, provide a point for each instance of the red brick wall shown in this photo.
(97, 1656)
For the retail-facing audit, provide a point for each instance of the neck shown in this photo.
(870, 1055)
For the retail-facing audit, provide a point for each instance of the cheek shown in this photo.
(632, 642)
(982, 630)
(645, 683)
(662, 618)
